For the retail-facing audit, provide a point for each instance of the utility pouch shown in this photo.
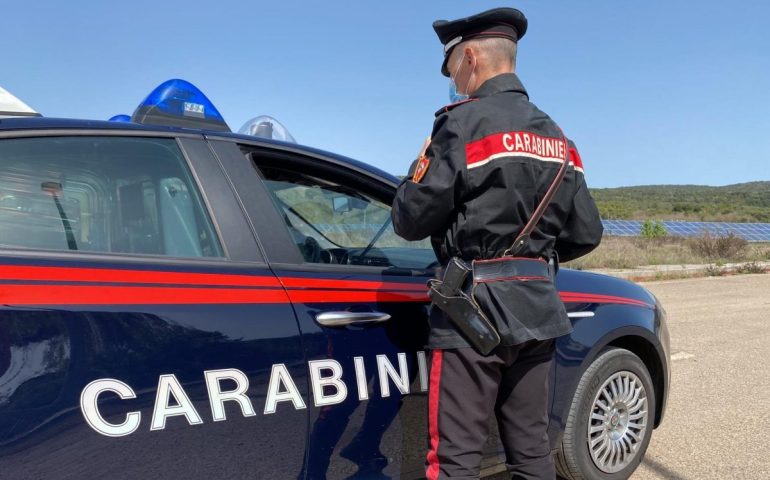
(448, 295)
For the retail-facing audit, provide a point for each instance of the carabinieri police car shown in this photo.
(180, 301)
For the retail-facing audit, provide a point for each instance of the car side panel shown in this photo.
(353, 435)
(66, 329)
(621, 310)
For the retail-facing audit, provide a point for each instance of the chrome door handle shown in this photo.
(340, 319)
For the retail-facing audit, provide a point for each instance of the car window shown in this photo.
(102, 194)
(336, 224)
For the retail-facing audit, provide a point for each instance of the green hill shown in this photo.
(743, 202)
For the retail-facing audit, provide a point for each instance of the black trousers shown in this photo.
(467, 387)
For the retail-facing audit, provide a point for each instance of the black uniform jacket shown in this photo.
(490, 161)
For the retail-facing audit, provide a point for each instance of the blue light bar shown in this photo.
(120, 118)
(179, 103)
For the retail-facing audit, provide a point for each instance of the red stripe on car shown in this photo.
(171, 289)
(103, 275)
(119, 295)
(291, 282)
(68, 274)
(575, 297)
(115, 295)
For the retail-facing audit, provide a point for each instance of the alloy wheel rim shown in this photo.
(618, 423)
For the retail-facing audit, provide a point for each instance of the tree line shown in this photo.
(744, 202)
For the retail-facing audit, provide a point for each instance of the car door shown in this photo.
(141, 330)
(361, 300)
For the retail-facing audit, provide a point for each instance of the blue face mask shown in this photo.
(454, 96)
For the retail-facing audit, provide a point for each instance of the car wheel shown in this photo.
(610, 420)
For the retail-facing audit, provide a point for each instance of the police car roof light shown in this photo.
(265, 126)
(120, 118)
(179, 103)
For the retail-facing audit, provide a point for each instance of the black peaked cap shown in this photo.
(498, 22)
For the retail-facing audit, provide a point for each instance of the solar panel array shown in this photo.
(753, 232)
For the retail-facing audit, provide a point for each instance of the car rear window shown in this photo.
(102, 194)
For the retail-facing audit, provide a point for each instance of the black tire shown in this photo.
(573, 460)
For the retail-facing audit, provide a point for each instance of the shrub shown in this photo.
(751, 267)
(729, 247)
(652, 229)
(714, 271)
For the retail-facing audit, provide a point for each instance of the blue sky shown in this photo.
(653, 92)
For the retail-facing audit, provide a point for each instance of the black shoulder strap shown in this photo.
(523, 238)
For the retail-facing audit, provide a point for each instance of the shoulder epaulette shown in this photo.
(453, 105)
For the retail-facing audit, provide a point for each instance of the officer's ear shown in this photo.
(470, 56)
(471, 61)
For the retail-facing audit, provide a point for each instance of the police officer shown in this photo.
(490, 160)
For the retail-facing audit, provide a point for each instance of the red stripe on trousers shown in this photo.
(435, 377)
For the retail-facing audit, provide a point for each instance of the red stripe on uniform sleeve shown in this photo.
(484, 148)
(523, 144)
(574, 157)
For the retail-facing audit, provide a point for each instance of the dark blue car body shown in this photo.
(70, 319)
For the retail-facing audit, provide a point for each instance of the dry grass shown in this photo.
(731, 247)
(631, 252)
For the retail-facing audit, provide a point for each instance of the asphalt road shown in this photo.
(717, 424)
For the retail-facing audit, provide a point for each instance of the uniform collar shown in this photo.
(505, 82)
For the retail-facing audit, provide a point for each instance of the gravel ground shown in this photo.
(717, 424)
